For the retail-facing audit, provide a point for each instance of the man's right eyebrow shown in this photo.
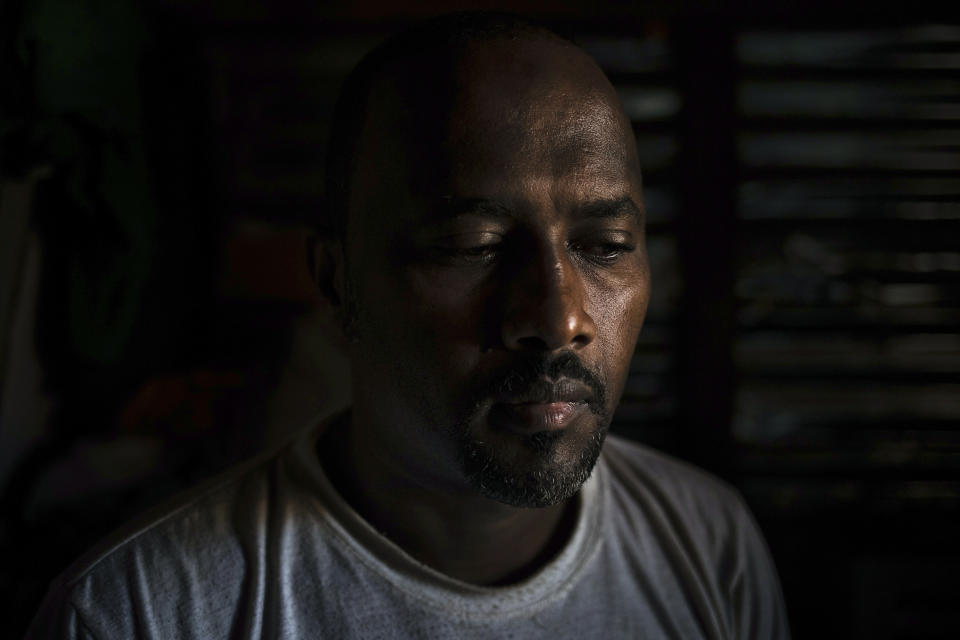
(450, 207)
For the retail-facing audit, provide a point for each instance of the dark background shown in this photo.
(161, 163)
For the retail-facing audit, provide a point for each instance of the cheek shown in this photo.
(415, 348)
(428, 319)
(450, 309)
(619, 317)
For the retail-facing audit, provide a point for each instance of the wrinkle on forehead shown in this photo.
(541, 103)
(553, 135)
(531, 107)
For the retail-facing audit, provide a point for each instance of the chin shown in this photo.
(533, 470)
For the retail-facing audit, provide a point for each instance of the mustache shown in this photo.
(538, 375)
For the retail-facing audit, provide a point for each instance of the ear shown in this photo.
(325, 258)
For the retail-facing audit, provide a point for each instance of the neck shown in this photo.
(461, 534)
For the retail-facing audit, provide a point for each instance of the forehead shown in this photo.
(504, 115)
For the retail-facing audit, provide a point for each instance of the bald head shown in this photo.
(452, 82)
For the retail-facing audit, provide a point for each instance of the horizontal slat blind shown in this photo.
(847, 420)
(849, 277)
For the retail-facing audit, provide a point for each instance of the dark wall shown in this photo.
(161, 170)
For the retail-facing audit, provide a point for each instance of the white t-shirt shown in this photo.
(660, 549)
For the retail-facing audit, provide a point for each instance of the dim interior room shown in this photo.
(160, 176)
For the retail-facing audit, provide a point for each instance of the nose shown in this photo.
(545, 308)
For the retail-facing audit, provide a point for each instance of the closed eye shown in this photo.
(466, 248)
(603, 252)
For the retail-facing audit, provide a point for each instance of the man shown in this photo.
(486, 257)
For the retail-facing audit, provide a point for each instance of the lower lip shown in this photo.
(537, 416)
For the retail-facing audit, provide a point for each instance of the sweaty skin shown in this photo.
(495, 221)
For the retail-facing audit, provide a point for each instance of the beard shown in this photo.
(545, 483)
(550, 468)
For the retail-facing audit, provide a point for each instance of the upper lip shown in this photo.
(549, 391)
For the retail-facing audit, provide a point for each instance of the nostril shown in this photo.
(545, 310)
(582, 340)
(533, 343)
(548, 326)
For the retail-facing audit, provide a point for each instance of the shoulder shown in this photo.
(702, 524)
(675, 501)
(207, 511)
(635, 468)
(193, 546)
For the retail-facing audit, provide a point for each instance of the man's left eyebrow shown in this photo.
(618, 208)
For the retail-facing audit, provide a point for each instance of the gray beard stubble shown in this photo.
(547, 483)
